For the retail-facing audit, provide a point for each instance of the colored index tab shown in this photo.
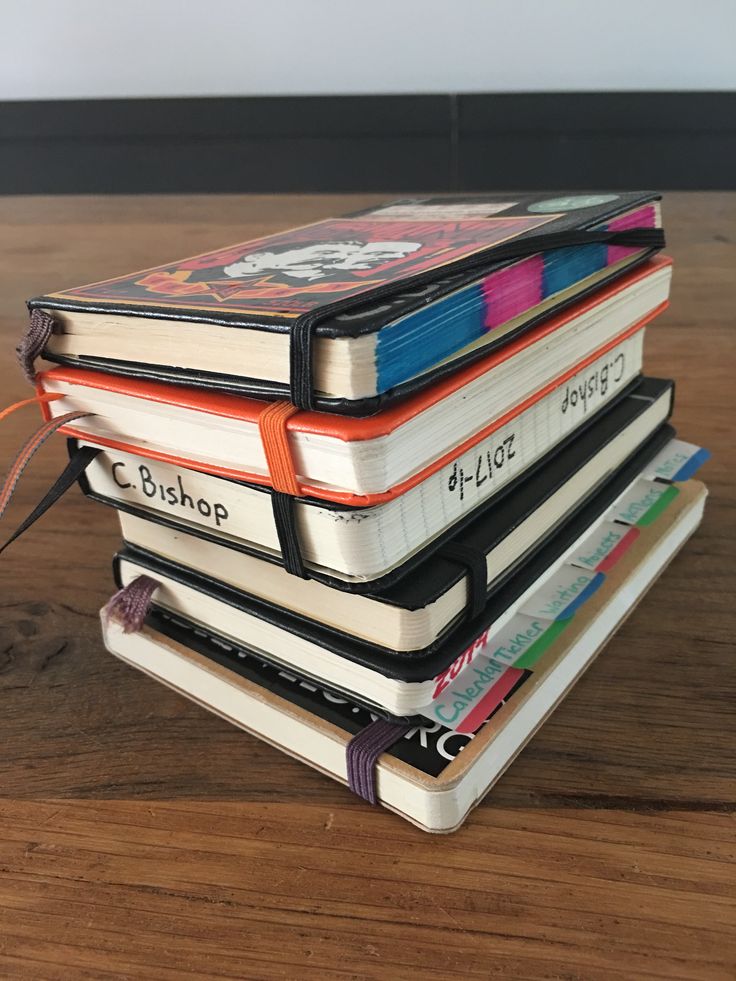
(604, 547)
(656, 509)
(563, 593)
(642, 502)
(464, 701)
(677, 461)
(504, 646)
(636, 501)
(538, 648)
(493, 698)
(473, 696)
(508, 644)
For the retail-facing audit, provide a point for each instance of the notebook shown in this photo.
(367, 543)
(401, 683)
(361, 462)
(331, 535)
(440, 585)
(433, 775)
(347, 314)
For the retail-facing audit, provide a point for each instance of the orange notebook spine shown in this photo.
(280, 447)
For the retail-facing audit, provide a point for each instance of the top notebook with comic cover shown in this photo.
(347, 314)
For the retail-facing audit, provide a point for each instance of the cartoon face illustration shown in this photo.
(321, 260)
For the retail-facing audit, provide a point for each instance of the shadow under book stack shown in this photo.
(387, 482)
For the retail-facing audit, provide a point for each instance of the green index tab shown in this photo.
(662, 502)
(540, 645)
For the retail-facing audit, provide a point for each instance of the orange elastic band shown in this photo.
(35, 400)
(275, 437)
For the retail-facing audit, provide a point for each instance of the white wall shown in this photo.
(107, 48)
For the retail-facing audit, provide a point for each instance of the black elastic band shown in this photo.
(301, 386)
(301, 332)
(79, 462)
(476, 569)
(284, 516)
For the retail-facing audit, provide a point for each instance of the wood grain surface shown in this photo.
(141, 837)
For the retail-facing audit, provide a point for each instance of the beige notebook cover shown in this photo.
(435, 790)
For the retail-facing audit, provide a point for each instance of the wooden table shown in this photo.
(141, 837)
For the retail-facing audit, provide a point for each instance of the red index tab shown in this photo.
(612, 558)
(490, 701)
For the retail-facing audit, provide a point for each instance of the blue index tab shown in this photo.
(692, 465)
(596, 582)
(563, 593)
(678, 461)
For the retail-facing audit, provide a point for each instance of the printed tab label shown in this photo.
(643, 502)
(678, 461)
(601, 550)
(477, 682)
(463, 703)
(473, 696)
(563, 593)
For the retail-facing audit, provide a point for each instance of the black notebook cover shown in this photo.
(427, 663)
(352, 298)
(484, 527)
(429, 747)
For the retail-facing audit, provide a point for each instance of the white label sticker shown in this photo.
(450, 211)
(671, 462)
(637, 501)
(476, 692)
(598, 546)
(560, 592)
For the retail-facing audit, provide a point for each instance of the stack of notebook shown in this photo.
(386, 483)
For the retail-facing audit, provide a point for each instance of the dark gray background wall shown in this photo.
(370, 143)
(235, 95)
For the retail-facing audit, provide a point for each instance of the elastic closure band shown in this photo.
(363, 750)
(275, 437)
(301, 369)
(34, 400)
(301, 331)
(283, 507)
(476, 572)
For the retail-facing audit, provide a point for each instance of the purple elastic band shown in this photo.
(33, 342)
(130, 605)
(363, 750)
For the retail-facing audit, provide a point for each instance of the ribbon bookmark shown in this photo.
(26, 453)
(34, 340)
(69, 475)
(130, 605)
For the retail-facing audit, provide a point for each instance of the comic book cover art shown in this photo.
(295, 271)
